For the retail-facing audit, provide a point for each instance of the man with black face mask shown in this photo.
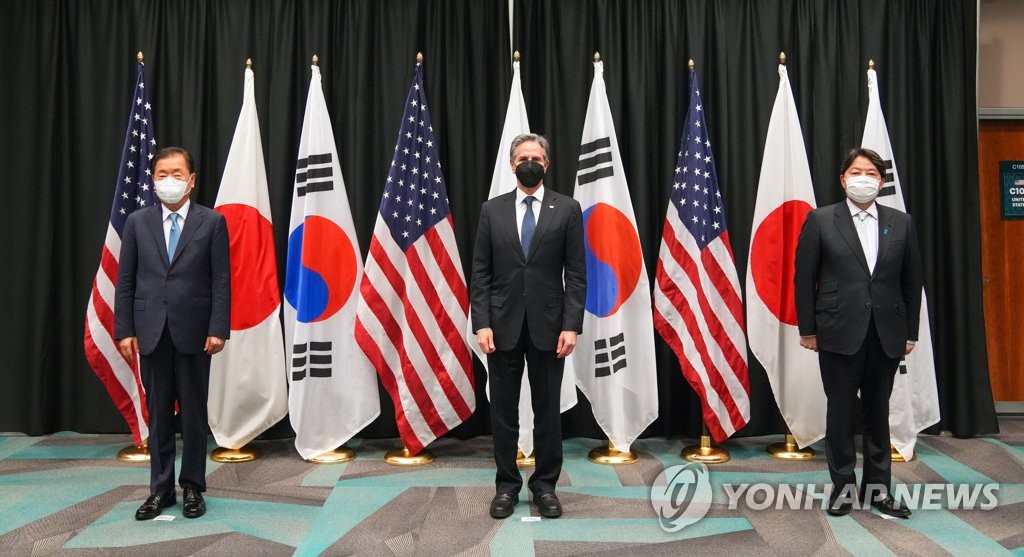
(172, 307)
(527, 241)
(858, 301)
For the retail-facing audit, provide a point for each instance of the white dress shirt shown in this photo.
(866, 223)
(182, 213)
(538, 197)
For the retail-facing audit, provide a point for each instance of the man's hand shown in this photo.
(213, 345)
(910, 348)
(810, 343)
(129, 346)
(566, 343)
(485, 338)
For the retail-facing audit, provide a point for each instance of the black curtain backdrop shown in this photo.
(67, 69)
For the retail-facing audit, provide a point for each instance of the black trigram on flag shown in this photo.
(595, 161)
(889, 188)
(609, 355)
(314, 173)
(312, 358)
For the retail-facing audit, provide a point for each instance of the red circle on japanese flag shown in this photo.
(254, 292)
(772, 254)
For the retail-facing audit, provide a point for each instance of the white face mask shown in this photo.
(862, 189)
(170, 190)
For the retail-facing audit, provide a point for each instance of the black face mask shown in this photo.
(530, 173)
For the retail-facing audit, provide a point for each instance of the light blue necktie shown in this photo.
(529, 225)
(172, 240)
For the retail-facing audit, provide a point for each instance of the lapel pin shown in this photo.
(551, 206)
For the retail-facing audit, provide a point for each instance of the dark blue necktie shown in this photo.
(172, 240)
(529, 225)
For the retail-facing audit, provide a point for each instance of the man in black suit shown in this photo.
(858, 299)
(528, 239)
(173, 307)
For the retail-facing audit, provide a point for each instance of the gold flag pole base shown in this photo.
(523, 461)
(134, 453)
(611, 456)
(402, 457)
(705, 452)
(242, 454)
(336, 456)
(788, 450)
(897, 457)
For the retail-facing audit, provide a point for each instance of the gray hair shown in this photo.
(523, 138)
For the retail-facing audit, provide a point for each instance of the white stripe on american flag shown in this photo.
(712, 324)
(429, 368)
(121, 379)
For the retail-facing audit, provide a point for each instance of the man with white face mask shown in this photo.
(858, 299)
(172, 306)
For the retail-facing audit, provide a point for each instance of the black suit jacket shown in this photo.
(836, 294)
(508, 287)
(192, 295)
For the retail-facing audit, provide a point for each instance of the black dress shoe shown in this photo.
(154, 505)
(194, 506)
(548, 505)
(503, 504)
(890, 507)
(840, 507)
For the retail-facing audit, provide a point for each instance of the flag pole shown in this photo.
(788, 450)
(140, 452)
(609, 455)
(402, 457)
(705, 452)
(245, 453)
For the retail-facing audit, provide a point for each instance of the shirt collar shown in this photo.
(872, 210)
(182, 211)
(521, 195)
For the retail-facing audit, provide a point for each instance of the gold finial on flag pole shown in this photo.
(597, 56)
(782, 58)
(139, 56)
(248, 63)
(316, 60)
(690, 64)
(419, 57)
(871, 64)
(515, 56)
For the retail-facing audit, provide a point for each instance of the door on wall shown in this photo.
(1002, 260)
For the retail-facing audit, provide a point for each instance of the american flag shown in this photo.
(413, 298)
(697, 299)
(134, 190)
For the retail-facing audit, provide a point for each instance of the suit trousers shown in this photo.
(169, 376)
(506, 375)
(871, 371)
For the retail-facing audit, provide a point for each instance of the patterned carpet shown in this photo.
(66, 495)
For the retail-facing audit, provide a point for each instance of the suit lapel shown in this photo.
(155, 224)
(885, 225)
(192, 223)
(507, 213)
(544, 220)
(844, 222)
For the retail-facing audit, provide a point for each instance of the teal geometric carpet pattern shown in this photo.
(66, 494)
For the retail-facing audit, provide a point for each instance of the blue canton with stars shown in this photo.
(134, 185)
(415, 196)
(695, 192)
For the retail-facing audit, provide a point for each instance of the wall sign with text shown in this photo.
(1011, 177)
